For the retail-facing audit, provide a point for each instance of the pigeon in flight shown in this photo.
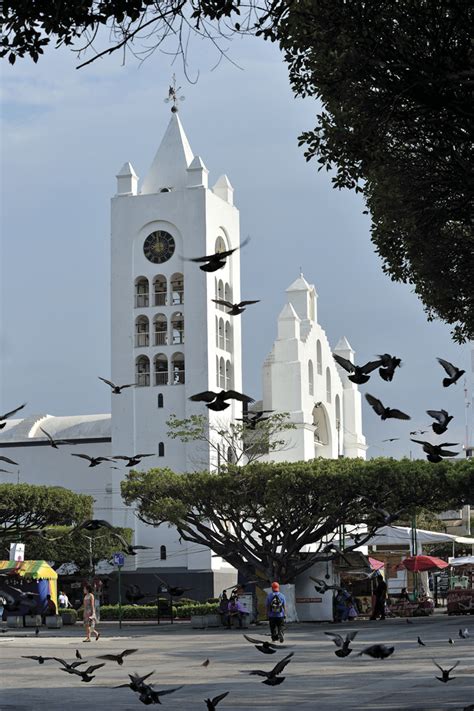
(388, 365)
(342, 643)
(39, 659)
(445, 672)
(149, 695)
(264, 646)
(321, 585)
(463, 634)
(435, 452)
(377, 651)
(443, 420)
(391, 439)
(6, 471)
(93, 461)
(415, 432)
(453, 372)
(85, 675)
(360, 373)
(55, 442)
(217, 401)
(251, 419)
(216, 261)
(70, 666)
(118, 657)
(9, 414)
(235, 309)
(212, 703)
(385, 412)
(133, 461)
(116, 389)
(136, 682)
(7, 460)
(272, 677)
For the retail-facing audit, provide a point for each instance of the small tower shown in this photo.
(127, 180)
(354, 444)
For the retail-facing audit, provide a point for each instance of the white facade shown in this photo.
(300, 376)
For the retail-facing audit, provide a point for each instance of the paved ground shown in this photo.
(316, 679)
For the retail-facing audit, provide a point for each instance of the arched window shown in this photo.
(161, 400)
(162, 552)
(159, 290)
(142, 334)
(319, 358)
(161, 449)
(217, 332)
(228, 375)
(142, 371)
(228, 293)
(228, 336)
(220, 293)
(328, 385)
(310, 377)
(177, 288)
(177, 367)
(141, 292)
(160, 326)
(177, 327)
(337, 407)
(220, 245)
(222, 373)
(217, 371)
(160, 362)
(221, 333)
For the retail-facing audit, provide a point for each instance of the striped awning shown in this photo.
(34, 569)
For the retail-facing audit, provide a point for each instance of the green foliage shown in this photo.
(26, 507)
(69, 611)
(259, 517)
(78, 547)
(148, 612)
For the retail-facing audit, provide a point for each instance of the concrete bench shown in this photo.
(14, 621)
(32, 620)
(54, 621)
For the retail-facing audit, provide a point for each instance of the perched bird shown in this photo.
(251, 419)
(385, 412)
(342, 643)
(443, 420)
(212, 703)
(453, 372)
(206, 663)
(39, 659)
(70, 666)
(420, 642)
(272, 677)
(93, 461)
(216, 401)
(55, 442)
(9, 414)
(78, 654)
(136, 682)
(450, 640)
(264, 646)
(133, 461)
(235, 309)
(7, 460)
(445, 672)
(409, 622)
(85, 675)
(360, 373)
(149, 695)
(435, 452)
(463, 634)
(216, 261)
(116, 389)
(118, 657)
(37, 631)
(388, 365)
(377, 651)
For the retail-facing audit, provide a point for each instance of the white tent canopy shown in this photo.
(391, 535)
(464, 560)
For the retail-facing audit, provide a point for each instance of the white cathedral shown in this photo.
(169, 338)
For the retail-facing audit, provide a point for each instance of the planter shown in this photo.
(14, 621)
(69, 617)
(54, 621)
(199, 622)
(212, 620)
(32, 620)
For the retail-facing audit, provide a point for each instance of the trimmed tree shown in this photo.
(259, 517)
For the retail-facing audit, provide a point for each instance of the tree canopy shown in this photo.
(27, 507)
(259, 517)
(393, 79)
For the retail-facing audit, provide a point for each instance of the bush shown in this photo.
(148, 612)
(68, 612)
(204, 608)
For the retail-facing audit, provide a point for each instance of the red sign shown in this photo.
(309, 599)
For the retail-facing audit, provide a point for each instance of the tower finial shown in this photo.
(173, 96)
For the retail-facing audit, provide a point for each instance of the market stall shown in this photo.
(25, 584)
(460, 596)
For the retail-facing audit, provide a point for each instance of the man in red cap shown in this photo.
(276, 611)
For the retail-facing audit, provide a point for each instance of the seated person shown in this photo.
(49, 608)
(236, 610)
(223, 605)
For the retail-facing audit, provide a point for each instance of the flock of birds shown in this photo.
(148, 694)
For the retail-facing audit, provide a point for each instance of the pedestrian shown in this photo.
(380, 595)
(63, 600)
(89, 614)
(223, 608)
(276, 612)
(341, 606)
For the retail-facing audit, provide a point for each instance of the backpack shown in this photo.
(276, 604)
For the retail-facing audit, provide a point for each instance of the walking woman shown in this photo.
(90, 618)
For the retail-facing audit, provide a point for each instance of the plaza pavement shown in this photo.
(316, 679)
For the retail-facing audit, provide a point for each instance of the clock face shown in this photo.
(159, 247)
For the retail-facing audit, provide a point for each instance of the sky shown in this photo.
(65, 133)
